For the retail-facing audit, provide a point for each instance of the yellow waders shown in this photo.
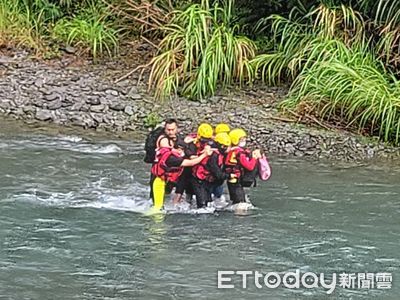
(158, 193)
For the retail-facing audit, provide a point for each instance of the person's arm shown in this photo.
(164, 142)
(247, 162)
(194, 161)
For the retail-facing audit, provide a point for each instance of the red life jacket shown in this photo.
(160, 168)
(200, 170)
(232, 163)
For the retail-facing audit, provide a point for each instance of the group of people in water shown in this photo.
(199, 163)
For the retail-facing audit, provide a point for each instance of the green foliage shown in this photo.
(152, 120)
(89, 30)
(201, 50)
(331, 57)
(33, 24)
(351, 84)
(19, 26)
(143, 18)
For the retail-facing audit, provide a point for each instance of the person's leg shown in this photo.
(188, 184)
(208, 187)
(200, 192)
(158, 193)
(231, 190)
(236, 193)
(218, 191)
(181, 185)
(152, 177)
(241, 196)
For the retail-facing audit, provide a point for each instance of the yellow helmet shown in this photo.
(223, 139)
(205, 131)
(236, 135)
(222, 127)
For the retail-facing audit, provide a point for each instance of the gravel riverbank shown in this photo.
(88, 96)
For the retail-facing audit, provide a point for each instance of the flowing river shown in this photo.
(72, 227)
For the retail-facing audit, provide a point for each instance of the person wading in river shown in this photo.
(238, 161)
(167, 168)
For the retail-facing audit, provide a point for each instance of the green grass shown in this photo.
(352, 85)
(37, 24)
(19, 26)
(334, 69)
(90, 31)
(201, 51)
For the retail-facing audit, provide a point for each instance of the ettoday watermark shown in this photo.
(308, 280)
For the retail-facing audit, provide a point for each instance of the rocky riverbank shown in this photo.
(88, 96)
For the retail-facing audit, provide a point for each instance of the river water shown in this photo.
(71, 227)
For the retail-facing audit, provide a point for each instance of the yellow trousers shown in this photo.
(158, 193)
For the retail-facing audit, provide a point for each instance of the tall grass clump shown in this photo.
(201, 51)
(20, 25)
(334, 70)
(299, 41)
(90, 30)
(352, 85)
(144, 18)
(37, 24)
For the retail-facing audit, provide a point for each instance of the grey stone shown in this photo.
(112, 92)
(67, 102)
(77, 106)
(128, 110)
(119, 123)
(43, 114)
(298, 153)
(117, 106)
(38, 102)
(70, 50)
(29, 109)
(85, 88)
(56, 104)
(78, 122)
(97, 108)
(289, 148)
(76, 118)
(104, 101)
(6, 104)
(107, 119)
(90, 123)
(133, 89)
(85, 107)
(18, 111)
(93, 100)
(39, 82)
(59, 89)
(135, 96)
(4, 60)
(98, 117)
(52, 96)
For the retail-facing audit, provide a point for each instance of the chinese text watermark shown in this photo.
(308, 280)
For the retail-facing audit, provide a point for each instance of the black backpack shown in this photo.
(248, 178)
(151, 144)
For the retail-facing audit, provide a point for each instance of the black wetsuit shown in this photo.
(202, 188)
(184, 183)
